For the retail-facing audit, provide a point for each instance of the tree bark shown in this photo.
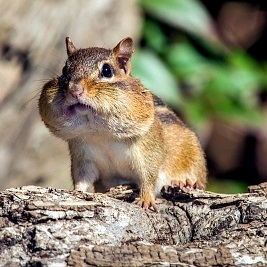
(45, 226)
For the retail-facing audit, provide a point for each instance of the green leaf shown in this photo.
(239, 83)
(241, 60)
(155, 76)
(154, 36)
(233, 109)
(189, 15)
(185, 60)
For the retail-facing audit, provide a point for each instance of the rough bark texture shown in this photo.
(45, 226)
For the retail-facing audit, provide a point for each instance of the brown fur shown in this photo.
(117, 131)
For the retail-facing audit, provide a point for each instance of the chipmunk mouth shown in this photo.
(79, 108)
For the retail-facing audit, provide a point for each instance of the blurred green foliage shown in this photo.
(223, 84)
(227, 186)
(184, 62)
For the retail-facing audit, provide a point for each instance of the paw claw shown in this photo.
(146, 204)
(187, 184)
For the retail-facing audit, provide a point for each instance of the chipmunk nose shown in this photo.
(75, 89)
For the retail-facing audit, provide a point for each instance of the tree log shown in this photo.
(56, 227)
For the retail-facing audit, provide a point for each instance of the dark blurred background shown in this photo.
(242, 26)
(206, 59)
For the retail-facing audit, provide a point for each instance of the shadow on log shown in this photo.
(45, 226)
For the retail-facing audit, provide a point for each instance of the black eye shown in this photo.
(106, 71)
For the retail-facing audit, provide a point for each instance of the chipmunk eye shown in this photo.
(106, 71)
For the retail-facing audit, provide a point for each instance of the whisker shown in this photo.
(23, 107)
(44, 80)
(60, 63)
(35, 91)
(60, 59)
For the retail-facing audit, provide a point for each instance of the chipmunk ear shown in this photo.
(123, 52)
(70, 46)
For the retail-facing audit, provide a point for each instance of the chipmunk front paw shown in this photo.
(187, 184)
(147, 202)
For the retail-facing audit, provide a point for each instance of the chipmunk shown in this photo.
(118, 132)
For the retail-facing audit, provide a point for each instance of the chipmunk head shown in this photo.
(95, 72)
(96, 89)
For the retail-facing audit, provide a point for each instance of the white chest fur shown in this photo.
(112, 160)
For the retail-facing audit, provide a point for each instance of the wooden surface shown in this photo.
(45, 226)
(32, 47)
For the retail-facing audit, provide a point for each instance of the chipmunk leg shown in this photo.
(84, 175)
(147, 200)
